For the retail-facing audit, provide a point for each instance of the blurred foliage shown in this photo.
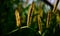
(8, 20)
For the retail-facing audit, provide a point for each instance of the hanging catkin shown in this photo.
(30, 14)
(40, 14)
(17, 18)
(48, 19)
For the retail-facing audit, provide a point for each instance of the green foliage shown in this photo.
(9, 23)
